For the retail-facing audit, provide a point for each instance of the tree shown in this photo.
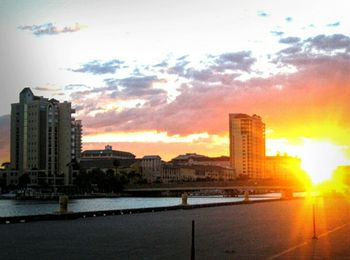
(104, 181)
(74, 164)
(83, 182)
(23, 181)
(5, 164)
(110, 172)
(116, 164)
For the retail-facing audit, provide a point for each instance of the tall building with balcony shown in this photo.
(247, 145)
(45, 138)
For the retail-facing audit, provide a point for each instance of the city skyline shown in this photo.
(161, 78)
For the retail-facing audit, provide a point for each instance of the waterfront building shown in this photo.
(222, 161)
(176, 173)
(247, 145)
(284, 167)
(183, 159)
(45, 139)
(151, 166)
(108, 152)
(108, 160)
(196, 159)
(183, 173)
(117, 166)
(213, 173)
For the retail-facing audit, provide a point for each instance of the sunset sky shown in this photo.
(161, 77)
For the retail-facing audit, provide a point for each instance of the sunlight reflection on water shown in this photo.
(26, 207)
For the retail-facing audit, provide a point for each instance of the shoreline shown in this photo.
(102, 213)
(56, 197)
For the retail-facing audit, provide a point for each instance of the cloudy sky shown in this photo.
(161, 77)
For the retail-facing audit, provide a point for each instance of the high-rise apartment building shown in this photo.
(247, 145)
(76, 139)
(45, 138)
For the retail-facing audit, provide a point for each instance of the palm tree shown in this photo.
(116, 164)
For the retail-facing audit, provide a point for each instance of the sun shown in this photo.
(320, 159)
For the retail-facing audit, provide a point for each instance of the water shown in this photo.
(25, 207)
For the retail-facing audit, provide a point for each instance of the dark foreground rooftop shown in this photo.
(272, 230)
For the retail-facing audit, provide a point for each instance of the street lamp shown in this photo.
(314, 218)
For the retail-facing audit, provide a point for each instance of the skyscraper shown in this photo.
(45, 138)
(247, 145)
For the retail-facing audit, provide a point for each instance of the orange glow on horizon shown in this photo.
(320, 159)
(144, 137)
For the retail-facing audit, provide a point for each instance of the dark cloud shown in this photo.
(163, 64)
(76, 87)
(291, 50)
(138, 82)
(322, 66)
(211, 75)
(234, 61)
(277, 33)
(329, 42)
(201, 107)
(50, 29)
(289, 19)
(5, 122)
(290, 40)
(135, 86)
(182, 57)
(180, 67)
(303, 52)
(201, 75)
(136, 72)
(323, 77)
(319, 68)
(336, 24)
(319, 84)
(262, 14)
(218, 69)
(112, 83)
(121, 89)
(51, 89)
(96, 67)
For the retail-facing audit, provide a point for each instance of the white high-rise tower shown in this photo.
(247, 145)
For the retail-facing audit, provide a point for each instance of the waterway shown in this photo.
(35, 207)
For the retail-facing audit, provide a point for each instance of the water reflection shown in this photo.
(25, 207)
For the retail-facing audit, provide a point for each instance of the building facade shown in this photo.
(76, 139)
(151, 166)
(108, 160)
(283, 167)
(45, 138)
(247, 145)
(183, 173)
(107, 153)
(196, 159)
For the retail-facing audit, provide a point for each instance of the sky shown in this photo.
(161, 77)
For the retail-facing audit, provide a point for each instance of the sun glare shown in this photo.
(320, 159)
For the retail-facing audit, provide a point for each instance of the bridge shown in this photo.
(198, 188)
(235, 189)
